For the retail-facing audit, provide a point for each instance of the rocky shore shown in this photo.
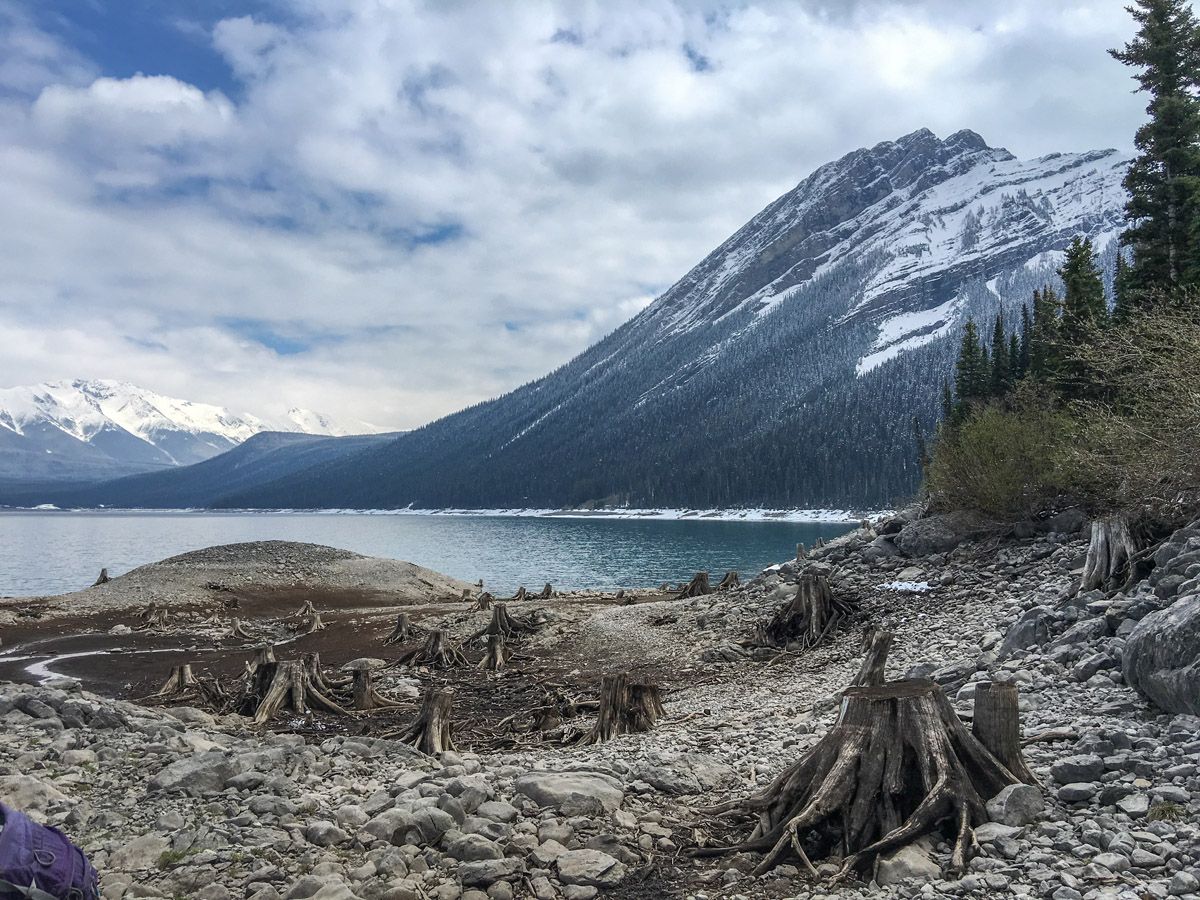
(178, 802)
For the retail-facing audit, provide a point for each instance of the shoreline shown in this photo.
(815, 516)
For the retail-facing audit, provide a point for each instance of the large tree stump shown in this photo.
(502, 624)
(1109, 553)
(103, 579)
(730, 581)
(403, 632)
(365, 696)
(547, 592)
(437, 653)
(996, 723)
(290, 688)
(807, 619)
(430, 733)
(697, 587)
(624, 709)
(897, 764)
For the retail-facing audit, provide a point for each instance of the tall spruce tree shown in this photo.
(1084, 303)
(972, 372)
(1043, 336)
(1026, 336)
(1015, 373)
(1001, 374)
(1164, 180)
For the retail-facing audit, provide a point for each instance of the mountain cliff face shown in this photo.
(786, 369)
(80, 430)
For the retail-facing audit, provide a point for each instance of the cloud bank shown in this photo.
(392, 209)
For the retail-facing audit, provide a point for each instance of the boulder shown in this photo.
(572, 793)
(30, 795)
(1161, 658)
(940, 533)
(592, 868)
(196, 775)
(683, 773)
(140, 853)
(1016, 805)
(912, 861)
(1032, 629)
(1076, 768)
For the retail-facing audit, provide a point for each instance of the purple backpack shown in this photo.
(41, 863)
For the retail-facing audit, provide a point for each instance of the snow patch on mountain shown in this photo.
(907, 331)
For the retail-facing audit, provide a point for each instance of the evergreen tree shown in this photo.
(1164, 180)
(947, 401)
(1001, 373)
(1026, 335)
(1122, 291)
(1084, 303)
(1015, 373)
(972, 372)
(1043, 335)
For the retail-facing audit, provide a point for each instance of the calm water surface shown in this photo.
(55, 552)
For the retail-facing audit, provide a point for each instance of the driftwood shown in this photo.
(625, 708)
(730, 581)
(807, 619)
(430, 733)
(437, 653)
(103, 579)
(1110, 552)
(403, 632)
(697, 587)
(897, 764)
(996, 723)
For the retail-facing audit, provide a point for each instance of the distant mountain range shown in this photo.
(787, 369)
(89, 430)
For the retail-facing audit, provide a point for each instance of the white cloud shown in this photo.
(151, 220)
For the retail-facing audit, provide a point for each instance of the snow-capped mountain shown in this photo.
(87, 429)
(786, 369)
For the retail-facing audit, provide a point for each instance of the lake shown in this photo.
(55, 552)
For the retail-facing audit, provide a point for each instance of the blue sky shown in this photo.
(394, 208)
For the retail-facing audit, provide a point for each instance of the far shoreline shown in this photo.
(659, 514)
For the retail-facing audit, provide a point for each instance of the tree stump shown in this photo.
(290, 688)
(466, 594)
(103, 579)
(437, 653)
(502, 624)
(316, 675)
(807, 619)
(518, 596)
(403, 632)
(547, 592)
(877, 644)
(260, 671)
(1109, 552)
(430, 733)
(484, 601)
(730, 581)
(897, 764)
(181, 682)
(309, 620)
(497, 654)
(801, 553)
(996, 724)
(154, 616)
(697, 587)
(239, 631)
(624, 709)
(366, 697)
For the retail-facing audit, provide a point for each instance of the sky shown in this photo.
(388, 209)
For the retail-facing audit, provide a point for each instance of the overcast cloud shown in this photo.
(389, 210)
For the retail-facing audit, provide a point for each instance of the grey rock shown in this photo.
(1080, 767)
(1162, 656)
(592, 868)
(684, 773)
(940, 533)
(572, 793)
(140, 853)
(486, 871)
(1032, 629)
(1016, 805)
(196, 775)
(1076, 793)
(912, 861)
(472, 847)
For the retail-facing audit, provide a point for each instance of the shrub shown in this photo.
(1005, 459)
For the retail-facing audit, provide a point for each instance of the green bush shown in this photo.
(1005, 459)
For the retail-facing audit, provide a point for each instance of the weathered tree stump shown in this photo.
(497, 654)
(260, 671)
(290, 688)
(484, 601)
(697, 587)
(365, 696)
(181, 682)
(103, 579)
(437, 653)
(518, 596)
(502, 624)
(877, 643)
(801, 553)
(624, 709)
(730, 581)
(547, 592)
(807, 619)
(154, 616)
(240, 632)
(403, 632)
(308, 619)
(1109, 553)
(466, 594)
(897, 764)
(316, 675)
(996, 723)
(430, 733)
